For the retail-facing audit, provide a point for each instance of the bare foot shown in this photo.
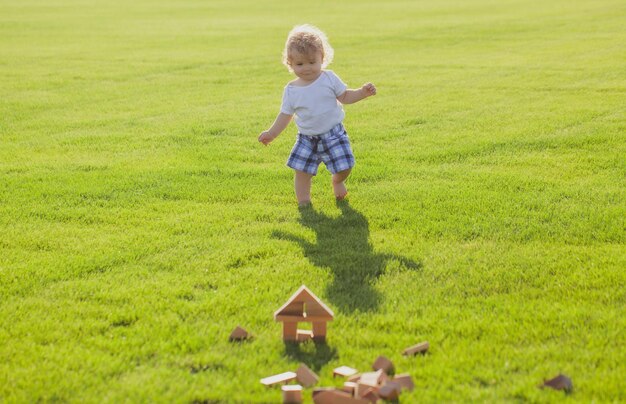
(340, 190)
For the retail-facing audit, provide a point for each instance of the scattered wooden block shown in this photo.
(422, 347)
(238, 334)
(320, 390)
(349, 387)
(334, 396)
(383, 363)
(352, 400)
(405, 381)
(390, 391)
(278, 379)
(344, 371)
(373, 379)
(306, 376)
(292, 394)
(560, 382)
(324, 395)
(362, 389)
(371, 396)
(354, 378)
(304, 335)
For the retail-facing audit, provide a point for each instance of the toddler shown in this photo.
(315, 97)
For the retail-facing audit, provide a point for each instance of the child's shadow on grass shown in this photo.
(343, 246)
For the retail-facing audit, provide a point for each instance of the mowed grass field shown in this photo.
(141, 221)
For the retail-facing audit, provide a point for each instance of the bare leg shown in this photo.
(338, 183)
(302, 184)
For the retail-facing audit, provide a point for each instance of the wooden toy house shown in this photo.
(304, 306)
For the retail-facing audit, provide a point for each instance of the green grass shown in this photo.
(140, 220)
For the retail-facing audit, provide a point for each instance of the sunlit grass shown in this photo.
(140, 221)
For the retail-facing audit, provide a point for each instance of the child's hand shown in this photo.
(369, 89)
(266, 137)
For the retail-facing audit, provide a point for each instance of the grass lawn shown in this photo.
(141, 221)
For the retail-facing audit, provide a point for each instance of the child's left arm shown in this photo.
(352, 96)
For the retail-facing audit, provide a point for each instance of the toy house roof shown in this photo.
(304, 306)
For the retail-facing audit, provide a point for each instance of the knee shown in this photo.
(303, 175)
(341, 176)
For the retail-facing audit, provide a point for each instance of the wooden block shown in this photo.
(371, 396)
(363, 388)
(312, 309)
(373, 378)
(349, 387)
(344, 371)
(310, 319)
(560, 382)
(355, 378)
(319, 330)
(290, 331)
(292, 394)
(384, 364)
(347, 399)
(304, 335)
(238, 334)
(405, 381)
(323, 395)
(320, 390)
(301, 302)
(333, 396)
(306, 376)
(422, 347)
(278, 379)
(390, 391)
(294, 309)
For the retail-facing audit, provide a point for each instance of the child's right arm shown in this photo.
(281, 122)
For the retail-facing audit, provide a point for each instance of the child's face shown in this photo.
(307, 66)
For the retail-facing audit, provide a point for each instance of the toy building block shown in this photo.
(292, 394)
(371, 396)
(304, 306)
(354, 378)
(373, 379)
(363, 389)
(304, 335)
(320, 390)
(323, 395)
(344, 371)
(560, 382)
(278, 379)
(334, 396)
(405, 381)
(306, 376)
(347, 399)
(422, 347)
(390, 391)
(370, 381)
(239, 334)
(319, 330)
(349, 387)
(290, 331)
(383, 363)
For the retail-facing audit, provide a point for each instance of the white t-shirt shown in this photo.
(315, 105)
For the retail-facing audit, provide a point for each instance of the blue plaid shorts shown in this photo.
(332, 148)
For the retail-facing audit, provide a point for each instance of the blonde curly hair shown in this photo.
(305, 39)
